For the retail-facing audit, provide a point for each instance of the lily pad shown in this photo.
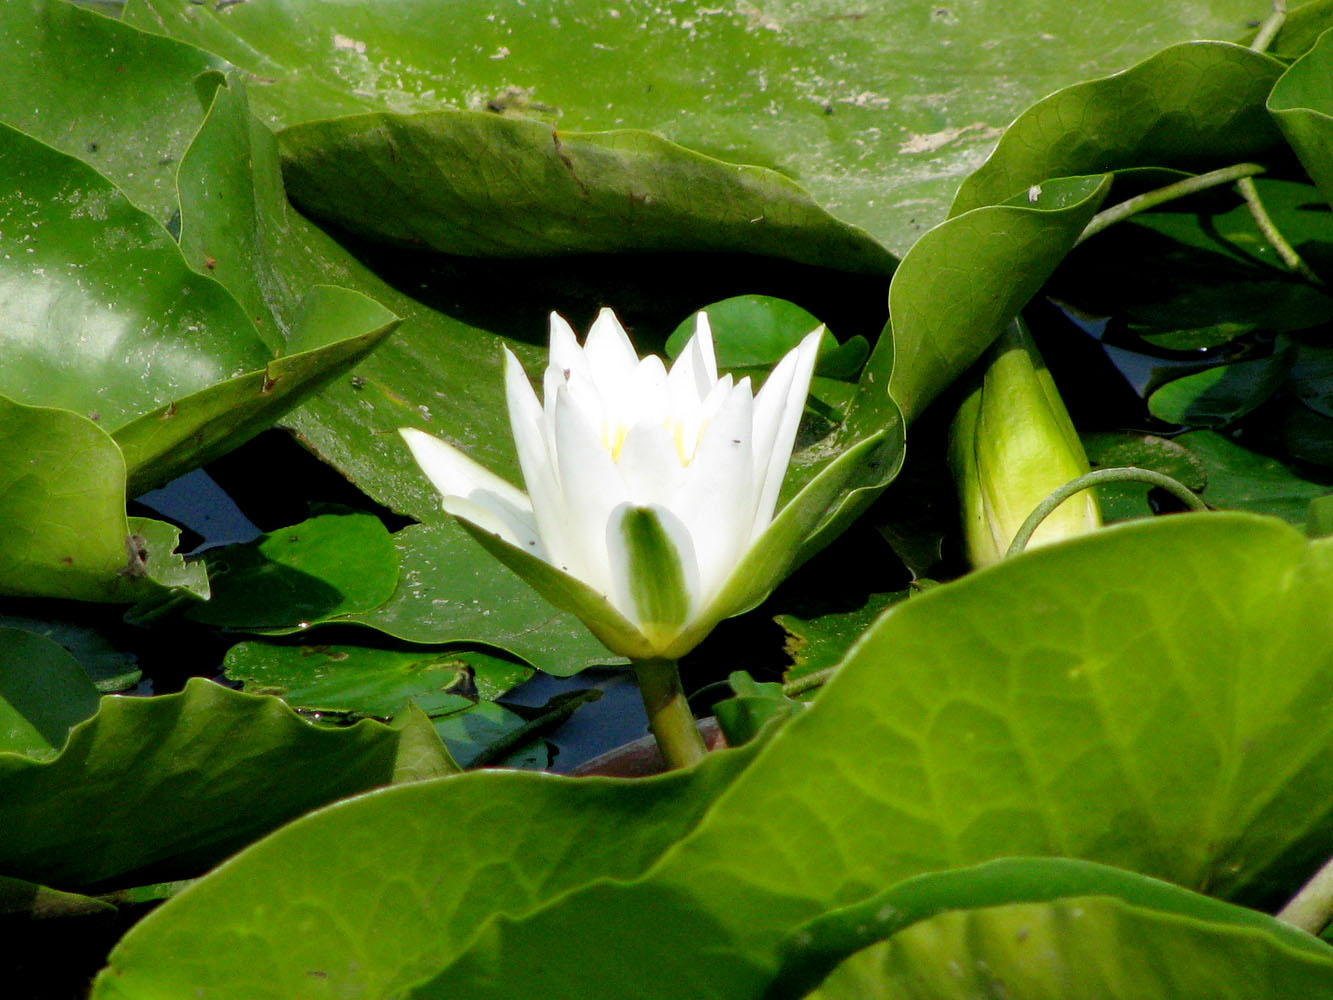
(425, 180)
(43, 693)
(451, 590)
(323, 569)
(1220, 395)
(755, 331)
(1155, 664)
(62, 510)
(866, 112)
(1062, 949)
(1195, 106)
(103, 318)
(131, 110)
(157, 788)
(975, 895)
(821, 642)
(1241, 479)
(360, 681)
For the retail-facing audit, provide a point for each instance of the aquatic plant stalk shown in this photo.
(1160, 196)
(1311, 909)
(669, 716)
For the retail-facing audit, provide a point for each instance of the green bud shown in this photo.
(1011, 444)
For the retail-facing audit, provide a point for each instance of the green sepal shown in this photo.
(565, 592)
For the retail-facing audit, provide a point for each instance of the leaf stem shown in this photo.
(804, 684)
(1159, 196)
(1311, 909)
(1272, 234)
(669, 715)
(1271, 26)
(1118, 475)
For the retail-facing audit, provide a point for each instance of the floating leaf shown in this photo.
(361, 681)
(1157, 665)
(1000, 889)
(43, 692)
(451, 590)
(1221, 395)
(165, 787)
(866, 113)
(1240, 479)
(425, 179)
(322, 569)
(1196, 107)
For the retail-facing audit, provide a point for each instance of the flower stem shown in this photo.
(1126, 475)
(1312, 907)
(1270, 27)
(669, 716)
(1151, 199)
(1272, 234)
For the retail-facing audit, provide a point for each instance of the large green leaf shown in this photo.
(451, 590)
(1194, 107)
(1302, 104)
(1126, 697)
(1241, 479)
(288, 580)
(426, 179)
(43, 692)
(466, 873)
(816, 949)
(131, 109)
(62, 515)
(965, 279)
(103, 317)
(1080, 948)
(361, 680)
(154, 788)
(877, 111)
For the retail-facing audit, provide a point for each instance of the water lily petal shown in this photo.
(487, 500)
(528, 424)
(609, 353)
(778, 409)
(591, 486)
(719, 499)
(695, 370)
(650, 465)
(654, 576)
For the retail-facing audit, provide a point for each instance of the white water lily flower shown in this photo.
(651, 493)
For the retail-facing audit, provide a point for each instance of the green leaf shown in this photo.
(1123, 501)
(817, 948)
(123, 332)
(966, 278)
(452, 590)
(752, 706)
(108, 664)
(1156, 665)
(1195, 107)
(424, 179)
(820, 642)
(165, 787)
(1302, 105)
(1240, 479)
(611, 828)
(288, 580)
(129, 112)
(755, 331)
(866, 113)
(62, 515)
(1080, 948)
(43, 692)
(1223, 394)
(377, 682)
